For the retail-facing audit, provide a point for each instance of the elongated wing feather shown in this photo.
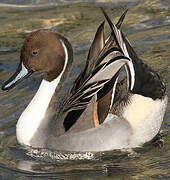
(94, 51)
(97, 45)
(98, 48)
(109, 86)
(104, 62)
(107, 94)
(117, 35)
(95, 82)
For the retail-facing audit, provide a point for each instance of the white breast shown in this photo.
(32, 116)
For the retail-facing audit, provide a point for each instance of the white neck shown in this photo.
(32, 117)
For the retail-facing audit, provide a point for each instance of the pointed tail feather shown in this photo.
(121, 19)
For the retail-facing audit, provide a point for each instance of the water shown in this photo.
(147, 25)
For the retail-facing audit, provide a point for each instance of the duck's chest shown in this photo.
(145, 116)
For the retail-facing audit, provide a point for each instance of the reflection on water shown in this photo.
(147, 25)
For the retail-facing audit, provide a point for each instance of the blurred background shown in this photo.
(147, 25)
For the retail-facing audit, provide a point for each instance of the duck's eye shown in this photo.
(35, 53)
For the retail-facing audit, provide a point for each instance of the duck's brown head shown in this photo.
(43, 51)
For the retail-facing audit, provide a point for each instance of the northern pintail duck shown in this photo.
(100, 111)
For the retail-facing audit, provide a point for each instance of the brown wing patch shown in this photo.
(95, 114)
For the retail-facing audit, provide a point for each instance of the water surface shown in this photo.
(148, 28)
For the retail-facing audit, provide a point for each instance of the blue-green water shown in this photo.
(147, 25)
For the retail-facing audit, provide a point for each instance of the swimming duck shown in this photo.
(99, 112)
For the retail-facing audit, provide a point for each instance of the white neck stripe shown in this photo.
(32, 117)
